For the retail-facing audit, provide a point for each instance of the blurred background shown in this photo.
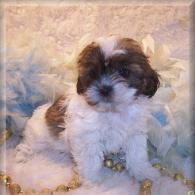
(64, 25)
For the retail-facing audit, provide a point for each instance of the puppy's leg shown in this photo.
(23, 152)
(55, 148)
(36, 136)
(27, 148)
(89, 159)
(137, 159)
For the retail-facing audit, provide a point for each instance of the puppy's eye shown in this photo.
(124, 72)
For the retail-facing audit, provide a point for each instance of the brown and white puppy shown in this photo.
(105, 112)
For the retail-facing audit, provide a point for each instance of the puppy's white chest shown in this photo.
(114, 131)
(110, 130)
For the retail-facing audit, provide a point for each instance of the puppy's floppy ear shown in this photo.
(89, 63)
(150, 82)
(144, 78)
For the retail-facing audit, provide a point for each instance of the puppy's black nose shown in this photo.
(105, 90)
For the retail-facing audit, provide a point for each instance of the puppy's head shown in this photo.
(113, 72)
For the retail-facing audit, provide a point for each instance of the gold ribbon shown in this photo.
(16, 189)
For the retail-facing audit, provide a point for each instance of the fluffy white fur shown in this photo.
(108, 46)
(90, 132)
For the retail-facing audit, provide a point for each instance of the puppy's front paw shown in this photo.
(23, 153)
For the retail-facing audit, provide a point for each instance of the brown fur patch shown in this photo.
(55, 116)
(90, 64)
(130, 45)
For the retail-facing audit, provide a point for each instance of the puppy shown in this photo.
(105, 112)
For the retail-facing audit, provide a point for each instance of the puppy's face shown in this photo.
(113, 72)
